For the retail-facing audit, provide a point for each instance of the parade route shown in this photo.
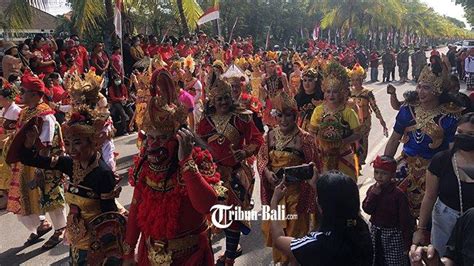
(12, 251)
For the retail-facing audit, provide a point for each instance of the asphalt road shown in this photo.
(13, 234)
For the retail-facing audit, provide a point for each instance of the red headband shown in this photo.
(379, 163)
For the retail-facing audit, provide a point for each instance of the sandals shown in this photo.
(54, 240)
(42, 230)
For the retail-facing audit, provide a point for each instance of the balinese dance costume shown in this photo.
(28, 197)
(424, 133)
(172, 198)
(364, 99)
(225, 134)
(280, 151)
(331, 127)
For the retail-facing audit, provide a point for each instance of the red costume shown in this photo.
(171, 198)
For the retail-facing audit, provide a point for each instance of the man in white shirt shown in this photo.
(469, 69)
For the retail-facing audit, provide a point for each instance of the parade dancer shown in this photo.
(274, 82)
(335, 124)
(94, 227)
(232, 138)
(425, 128)
(175, 187)
(9, 114)
(34, 192)
(287, 145)
(309, 96)
(364, 99)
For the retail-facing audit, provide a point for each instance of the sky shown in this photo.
(448, 8)
(444, 7)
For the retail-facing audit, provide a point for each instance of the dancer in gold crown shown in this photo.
(335, 124)
(364, 99)
(287, 145)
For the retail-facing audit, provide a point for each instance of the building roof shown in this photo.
(40, 19)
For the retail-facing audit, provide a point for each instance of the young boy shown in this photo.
(391, 220)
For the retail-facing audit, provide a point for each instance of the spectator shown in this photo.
(118, 95)
(343, 237)
(153, 47)
(11, 64)
(136, 50)
(391, 220)
(100, 59)
(117, 63)
(449, 188)
(374, 65)
(81, 55)
(469, 69)
(459, 249)
(127, 56)
(25, 55)
(43, 60)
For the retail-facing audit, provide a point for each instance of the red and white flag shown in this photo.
(118, 17)
(210, 15)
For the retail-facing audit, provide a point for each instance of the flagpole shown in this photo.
(233, 27)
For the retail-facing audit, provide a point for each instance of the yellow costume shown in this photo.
(279, 151)
(364, 99)
(330, 130)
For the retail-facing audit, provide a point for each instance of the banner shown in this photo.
(210, 15)
(118, 17)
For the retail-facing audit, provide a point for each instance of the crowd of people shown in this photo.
(212, 119)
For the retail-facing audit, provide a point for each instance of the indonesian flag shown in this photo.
(210, 15)
(118, 17)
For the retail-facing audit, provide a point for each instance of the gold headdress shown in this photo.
(84, 90)
(297, 59)
(335, 76)
(284, 102)
(189, 63)
(272, 55)
(255, 62)
(219, 88)
(240, 62)
(157, 62)
(219, 63)
(317, 63)
(84, 122)
(165, 115)
(311, 72)
(357, 72)
(435, 80)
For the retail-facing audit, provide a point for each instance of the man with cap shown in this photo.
(34, 192)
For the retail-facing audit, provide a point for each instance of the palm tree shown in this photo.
(87, 14)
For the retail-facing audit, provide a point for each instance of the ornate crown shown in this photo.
(357, 72)
(435, 80)
(84, 90)
(165, 115)
(284, 102)
(84, 121)
(335, 76)
(220, 87)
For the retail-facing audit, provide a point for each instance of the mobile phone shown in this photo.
(297, 173)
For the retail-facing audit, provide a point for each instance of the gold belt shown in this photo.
(163, 252)
(159, 186)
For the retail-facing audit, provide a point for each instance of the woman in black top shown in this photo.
(91, 192)
(342, 239)
(309, 96)
(449, 188)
